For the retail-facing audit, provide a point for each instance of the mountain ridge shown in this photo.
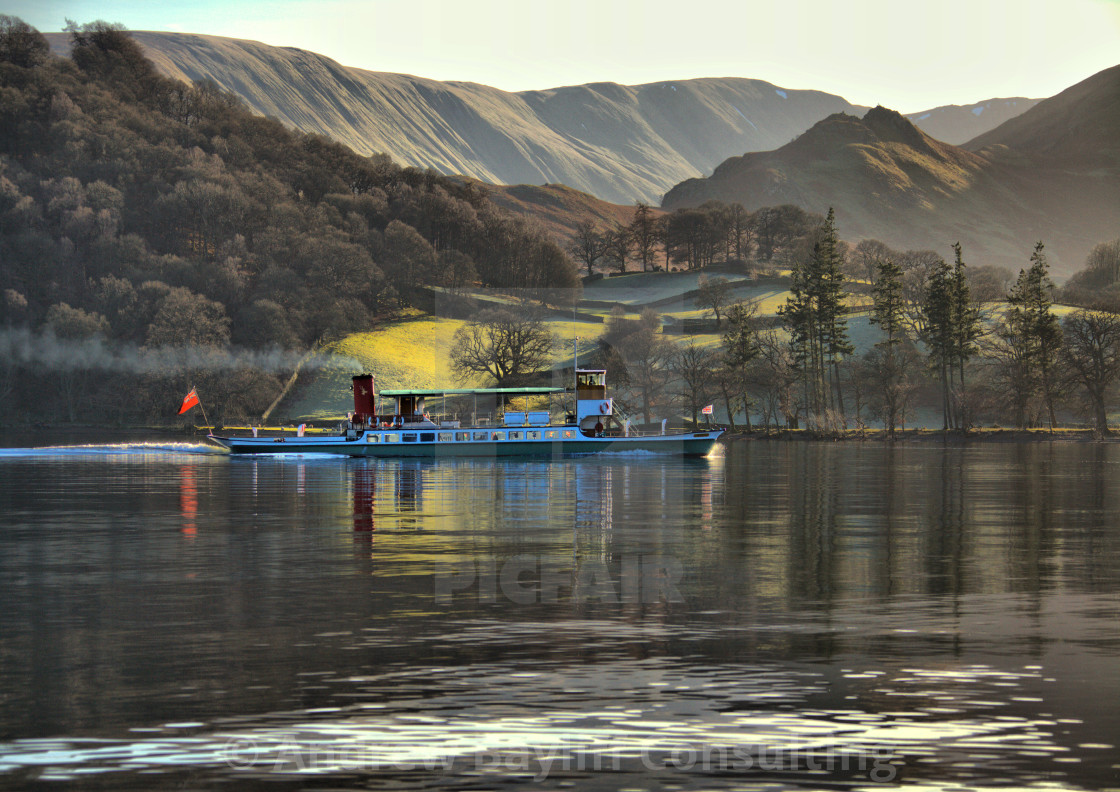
(620, 143)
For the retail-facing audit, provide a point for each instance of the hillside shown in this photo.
(889, 180)
(559, 209)
(1077, 128)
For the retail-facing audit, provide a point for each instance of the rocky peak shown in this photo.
(890, 126)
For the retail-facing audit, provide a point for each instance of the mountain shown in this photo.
(621, 143)
(884, 177)
(1051, 174)
(958, 124)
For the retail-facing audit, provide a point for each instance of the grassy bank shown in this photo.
(984, 435)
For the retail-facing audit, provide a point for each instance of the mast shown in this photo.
(575, 373)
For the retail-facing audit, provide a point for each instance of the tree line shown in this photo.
(692, 238)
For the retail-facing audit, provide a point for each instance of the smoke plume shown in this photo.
(47, 352)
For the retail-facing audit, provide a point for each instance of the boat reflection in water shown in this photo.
(188, 500)
(365, 489)
(507, 500)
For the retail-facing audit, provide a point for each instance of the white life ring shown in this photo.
(605, 408)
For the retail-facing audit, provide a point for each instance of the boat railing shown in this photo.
(510, 419)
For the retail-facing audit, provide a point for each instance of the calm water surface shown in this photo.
(788, 615)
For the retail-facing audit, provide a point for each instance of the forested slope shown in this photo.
(145, 214)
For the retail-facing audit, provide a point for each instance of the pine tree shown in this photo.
(966, 324)
(800, 318)
(937, 310)
(834, 323)
(741, 347)
(815, 316)
(1035, 328)
(889, 313)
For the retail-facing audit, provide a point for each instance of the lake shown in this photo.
(785, 615)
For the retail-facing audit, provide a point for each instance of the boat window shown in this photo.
(372, 438)
(481, 436)
(392, 437)
(568, 434)
(445, 437)
(498, 436)
(461, 436)
(533, 435)
(427, 437)
(552, 434)
(408, 438)
(515, 435)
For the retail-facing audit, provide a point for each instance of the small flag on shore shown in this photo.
(190, 401)
(707, 410)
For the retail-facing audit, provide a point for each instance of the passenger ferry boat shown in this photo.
(408, 430)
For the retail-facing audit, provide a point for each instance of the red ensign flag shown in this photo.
(190, 401)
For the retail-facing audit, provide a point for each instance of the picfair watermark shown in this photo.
(530, 579)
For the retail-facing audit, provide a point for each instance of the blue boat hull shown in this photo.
(686, 444)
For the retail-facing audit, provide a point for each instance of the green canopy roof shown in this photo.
(472, 392)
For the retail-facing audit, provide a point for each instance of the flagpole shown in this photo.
(575, 376)
(207, 420)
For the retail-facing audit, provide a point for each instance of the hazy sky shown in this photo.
(905, 55)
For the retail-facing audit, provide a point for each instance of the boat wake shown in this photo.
(114, 449)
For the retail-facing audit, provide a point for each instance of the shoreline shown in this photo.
(947, 437)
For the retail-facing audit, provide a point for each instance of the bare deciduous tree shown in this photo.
(643, 235)
(865, 259)
(616, 247)
(1092, 357)
(502, 345)
(645, 353)
(693, 369)
(714, 294)
(587, 247)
